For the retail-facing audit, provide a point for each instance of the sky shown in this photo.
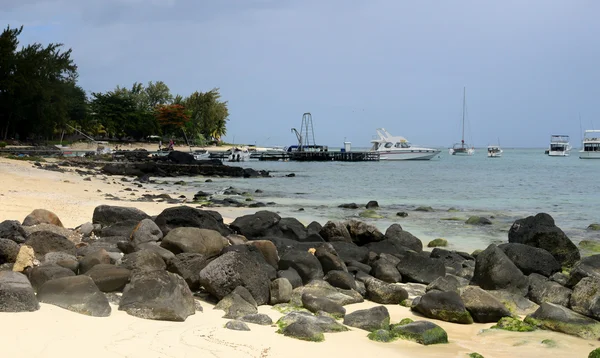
(530, 68)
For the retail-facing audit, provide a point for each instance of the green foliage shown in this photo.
(40, 99)
(2, 144)
(475, 355)
(382, 335)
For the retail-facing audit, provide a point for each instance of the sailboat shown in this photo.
(462, 148)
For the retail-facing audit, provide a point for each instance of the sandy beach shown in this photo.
(53, 331)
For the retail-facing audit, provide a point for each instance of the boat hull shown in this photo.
(461, 152)
(408, 155)
(496, 155)
(558, 154)
(589, 155)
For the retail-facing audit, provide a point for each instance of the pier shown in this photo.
(307, 156)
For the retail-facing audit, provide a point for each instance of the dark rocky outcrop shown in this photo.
(531, 259)
(340, 279)
(417, 268)
(585, 298)
(238, 303)
(315, 304)
(561, 319)
(422, 332)
(482, 305)
(404, 238)
(107, 215)
(158, 295)
(329, 259)
(185, 216)
(143, 261)
(540, 231)
(41, 274)
(189, 267)
(306, 264)
(541, 290)
(363, 233)
(335, 231)
(232, 269)
(586, 267)
(260, 224)
(281, 291)
(369, 319)
(77, 293)
(42, 216)
(8, 251)
(16, 293)
(350, 252)
(44, 242)
(12, 230)
(195, 241)
(109, 278)
(495, 271)
(445, 306)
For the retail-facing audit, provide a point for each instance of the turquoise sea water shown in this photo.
(523, 182)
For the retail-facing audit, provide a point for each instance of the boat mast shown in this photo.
(462, 141)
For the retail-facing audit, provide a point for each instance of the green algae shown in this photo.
(382, 335)
(439, 242)
(513, 325)
(370, 214)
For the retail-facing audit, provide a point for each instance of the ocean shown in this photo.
(522, 182)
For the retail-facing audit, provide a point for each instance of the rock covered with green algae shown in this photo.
(513, 325)
(382, 335)
(475, 355)
(595, 353)
(550, 343)
(445, 306)
(439, 242)
(560, 319)
(326, 324)
(304, 331)
(423, 332)
(371, 319)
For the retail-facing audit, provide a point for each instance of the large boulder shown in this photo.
(306, 264)
(340, 279)
(107, 215)
(189, 267)
(405, 238)
(586, 267)
(585, 298)
(109, 278)
(383, 292)
(495, 271)
(185, 216)
(44, 242)
(320, 288)
(416, 268)
(482, 305)
(422, 332)
(540, 231)
(42, 274)
(194, 240)
(292, 228)
(232, 269)
(237, 304)
(292, 276)
(370, 319)
(158, 295)
(8, 251)
(16, 293)
(348, 251)
(92, 259)
(315, 304)
(335, 231)
(329, 259)
(42, 216)
(445, 306)
(62, 259)
(268, 250)
(323, 322)
(281, 291)
(12, 230)
(260, 224)
(143, 261)
(385, 270)
(541, 290)
(561, 319)
(145, 231)
(531, 259)
(363, 233)
(76, 293)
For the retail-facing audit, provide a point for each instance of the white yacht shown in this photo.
(239, 154)
(591, 145)
(559, 146)
(494, 151)
(392, 147)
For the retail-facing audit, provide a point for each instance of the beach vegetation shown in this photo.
(475, 355)
(550, 343)
(595, 353)
(41, 101)
(2, 144)
(382, 335)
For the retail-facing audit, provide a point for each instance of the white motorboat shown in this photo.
(591, 145)
(462, 148)
(392, 147)
(239, 154)
(200, 154)
(494, 151)
(559, 145)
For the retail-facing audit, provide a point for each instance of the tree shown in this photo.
(209, 115)
(172, 118)
(35, 85)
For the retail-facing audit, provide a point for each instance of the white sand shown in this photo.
(55, 332)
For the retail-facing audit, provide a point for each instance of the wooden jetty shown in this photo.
(307, 156)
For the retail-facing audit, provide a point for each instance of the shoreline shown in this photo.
(73, 199)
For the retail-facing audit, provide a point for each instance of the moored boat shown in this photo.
(590, 145)
(392, 147)
(559, 145)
